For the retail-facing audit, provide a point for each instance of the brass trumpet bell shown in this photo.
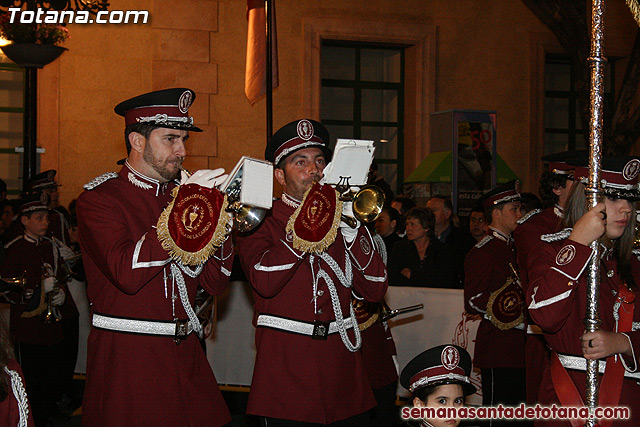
(368, 203)
(246, 218)
(8, 283)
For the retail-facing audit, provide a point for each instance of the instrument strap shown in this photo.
(613, 377)
(565, 388)
(614, 372)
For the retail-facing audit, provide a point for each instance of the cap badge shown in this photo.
(450, 357)
(516, 186)
(566, 255)
(631, 169)
(305, 130)
(44, 199)
(185, 101)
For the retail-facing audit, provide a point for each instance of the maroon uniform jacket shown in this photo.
(10, 408)
(26, 255)
(557, 301)
(378, 349)
(378, 346)
(136, 379)
(296, 377)
(528, 232)
(486, 270)
(526, 237)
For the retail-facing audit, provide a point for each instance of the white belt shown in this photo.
(317, 330)
(150, 327)
(534, 330)
(580, 364)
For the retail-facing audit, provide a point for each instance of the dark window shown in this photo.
(363, 98)
(11, 119)
(562, 124)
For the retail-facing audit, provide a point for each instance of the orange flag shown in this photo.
(255, 80)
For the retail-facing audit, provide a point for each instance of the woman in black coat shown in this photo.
(421, 259)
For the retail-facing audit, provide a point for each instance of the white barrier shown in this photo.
(231, 348)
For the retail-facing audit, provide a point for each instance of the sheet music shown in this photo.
(257, 183)
(351, 158)
(256, 178)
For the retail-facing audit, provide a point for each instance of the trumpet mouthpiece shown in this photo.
(182, 168)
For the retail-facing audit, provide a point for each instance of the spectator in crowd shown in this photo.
(447, 233)
(387, 225)
(402, 204)
(421, 259)
(477, 223)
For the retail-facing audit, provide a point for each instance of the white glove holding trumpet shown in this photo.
(204, 177)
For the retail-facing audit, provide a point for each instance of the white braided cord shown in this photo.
(184, 298)
(380, 246)
(346, 279)
(21, 396)
(189, 272)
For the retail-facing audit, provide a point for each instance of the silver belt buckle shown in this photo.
(320, 330)
(181, 330)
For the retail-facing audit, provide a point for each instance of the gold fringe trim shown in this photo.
(41, 308)
(634, 5)
(498, 324)
(315, 247)
(201, 256)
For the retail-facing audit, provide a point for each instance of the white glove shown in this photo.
(48, 284)
(65, 251)
(205, 178)
(348, 232)
(347, 210)
(58, 297)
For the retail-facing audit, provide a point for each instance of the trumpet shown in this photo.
(52, 314)
(367, 202)
(245, 218)
(13, 283)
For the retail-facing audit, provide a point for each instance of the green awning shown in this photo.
(436, 167)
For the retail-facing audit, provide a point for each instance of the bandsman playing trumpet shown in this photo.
(304, 264)
(149, 237)
(41, 345)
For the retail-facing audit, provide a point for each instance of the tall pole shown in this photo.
(269, 76)
(593, 191)
(30, 125)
